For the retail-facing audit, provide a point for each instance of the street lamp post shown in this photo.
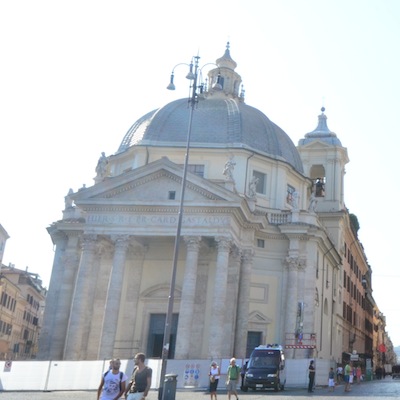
(192, 76)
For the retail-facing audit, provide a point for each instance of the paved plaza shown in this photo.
(378, 389)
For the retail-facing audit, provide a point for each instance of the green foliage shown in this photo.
(354, 224)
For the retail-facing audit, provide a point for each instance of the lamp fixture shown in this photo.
(195, 89)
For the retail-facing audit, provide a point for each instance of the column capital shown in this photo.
(247, 255)
(120, 241)
(295, 263)
(89, 241)
(192, 242)
(235, 252)
(224, 242)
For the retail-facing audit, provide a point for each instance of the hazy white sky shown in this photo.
(75, 75)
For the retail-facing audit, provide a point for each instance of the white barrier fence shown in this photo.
(86, 375)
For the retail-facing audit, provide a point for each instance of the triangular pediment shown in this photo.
(317, 144)
(258, 317)
(157, 183)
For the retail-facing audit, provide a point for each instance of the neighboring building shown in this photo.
(384, 352)
(22, 300)
(358, 303)
(264, 238)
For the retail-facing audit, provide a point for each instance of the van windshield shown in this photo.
(262, 359)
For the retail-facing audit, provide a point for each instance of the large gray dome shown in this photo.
(221, 119)
(217, 122)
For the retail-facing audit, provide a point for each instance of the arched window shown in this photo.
(317, 174)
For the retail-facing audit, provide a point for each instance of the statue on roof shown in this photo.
(68, 200)
(228, 169)
(102, 166)
(253, 187)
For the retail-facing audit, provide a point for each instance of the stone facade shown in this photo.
(259, 242)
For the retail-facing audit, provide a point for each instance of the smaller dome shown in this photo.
(321, 133)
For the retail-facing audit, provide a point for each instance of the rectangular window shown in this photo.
(260, 243)
(171, 195)
(254, 339)
(197, 169)
(261, 182)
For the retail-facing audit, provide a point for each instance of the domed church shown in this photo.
(261, 219)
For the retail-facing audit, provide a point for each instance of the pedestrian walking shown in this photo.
(140, 383)
(112, 385)
(311, 376)
(339, 374)
(214, 374)
(358, 374)
(243, 373)
(347, 375)
(331, 380)
(233, 374)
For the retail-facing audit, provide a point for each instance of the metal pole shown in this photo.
(168, 319)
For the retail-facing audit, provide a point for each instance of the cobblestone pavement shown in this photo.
(380, 389)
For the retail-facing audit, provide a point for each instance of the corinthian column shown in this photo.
(186, 309)
(110, 320)
(81, 301)
(242, 318)
(46, 338)
(70, 265)
(217, 333)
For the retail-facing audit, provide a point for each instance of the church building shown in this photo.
(260, 247)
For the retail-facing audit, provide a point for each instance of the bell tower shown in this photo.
(324, 159)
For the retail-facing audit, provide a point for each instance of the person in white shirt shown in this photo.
(214, 379)
(112, 385)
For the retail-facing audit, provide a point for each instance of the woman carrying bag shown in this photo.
(214, 379)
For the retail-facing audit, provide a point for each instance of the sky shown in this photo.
(75, 75)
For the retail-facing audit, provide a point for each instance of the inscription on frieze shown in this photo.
(166, 220)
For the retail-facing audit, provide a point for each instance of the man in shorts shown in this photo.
(347, 372)
(233, 375)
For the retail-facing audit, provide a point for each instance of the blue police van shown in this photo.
(265, 369)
